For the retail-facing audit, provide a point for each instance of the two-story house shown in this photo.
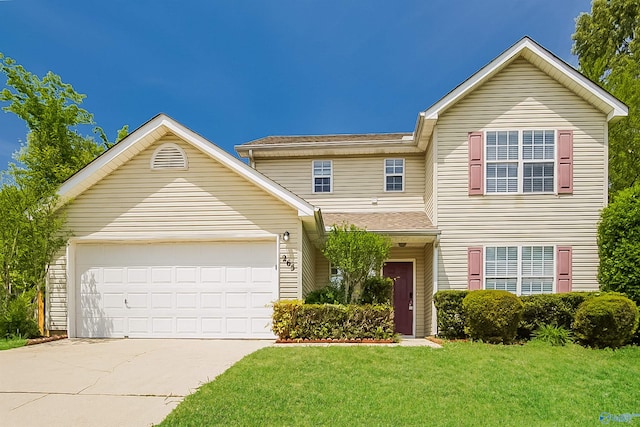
(499, 186)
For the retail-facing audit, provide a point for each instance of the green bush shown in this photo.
(17, 318)
(330, 294)
(292, 319)
(554, 335)
(450, 313)
(606, 321)
(619, 244)
(492, 316)
(377, 290)
(550, 309)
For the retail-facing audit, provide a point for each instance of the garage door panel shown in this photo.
(137, 275)
(176, 290)
(161, 274)
(186, 300)
(161, 300)
(211, 275)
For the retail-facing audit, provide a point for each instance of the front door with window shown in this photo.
(403, 298)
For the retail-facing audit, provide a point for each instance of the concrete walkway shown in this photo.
(83, 382)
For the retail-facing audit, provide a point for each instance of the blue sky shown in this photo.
(235, 71)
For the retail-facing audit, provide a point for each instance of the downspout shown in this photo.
(434, 266)
(252, 162)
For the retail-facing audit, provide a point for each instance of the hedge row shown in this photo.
(535, 311)
(293, 319)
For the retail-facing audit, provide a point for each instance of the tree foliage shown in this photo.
(31, 223)
(609, 54)
(619, 244)
(357, 254)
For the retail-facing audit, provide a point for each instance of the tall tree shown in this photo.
(609, 54)
(31, 223)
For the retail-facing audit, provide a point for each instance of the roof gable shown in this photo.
(540, 57)
(152, 131)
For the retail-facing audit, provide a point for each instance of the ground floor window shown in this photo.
(523, 270)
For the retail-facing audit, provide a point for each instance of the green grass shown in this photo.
(6, 344)
(463, 384)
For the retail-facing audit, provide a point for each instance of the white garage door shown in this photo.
(194, 290)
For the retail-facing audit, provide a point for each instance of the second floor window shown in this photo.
(394, 175)
(520, 161)
(322, 176)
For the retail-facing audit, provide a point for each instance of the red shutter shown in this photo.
(475, 268)
(565, 162)
(563, 263)
(476, 163)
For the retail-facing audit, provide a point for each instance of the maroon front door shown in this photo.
(402, 275)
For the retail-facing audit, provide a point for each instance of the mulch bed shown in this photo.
(41, 340)
(334, 341)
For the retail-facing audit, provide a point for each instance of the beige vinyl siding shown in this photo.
(414, 254)
(308, 265)
(428, 183)
(521, 96)
(56, 307)
(322, 270)
(207, 199)
(356, 181)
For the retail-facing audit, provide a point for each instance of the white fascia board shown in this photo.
(108, 156)
(618, 109)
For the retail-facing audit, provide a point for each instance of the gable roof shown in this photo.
(153, 130)
(546, 61)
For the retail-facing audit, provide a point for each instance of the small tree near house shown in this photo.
(357, 254)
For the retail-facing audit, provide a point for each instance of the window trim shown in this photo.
(519, 264)
(313, 176)
(521, 161)
(402, 175)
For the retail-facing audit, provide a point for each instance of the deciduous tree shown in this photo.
(609, 54)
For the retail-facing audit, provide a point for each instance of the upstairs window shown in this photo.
(169, 156)
(520, 161)
(394, 175)
(322, 176)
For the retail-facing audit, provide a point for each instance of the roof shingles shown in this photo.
(382, 221)
(300, 139)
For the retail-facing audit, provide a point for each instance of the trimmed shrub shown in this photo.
(17, 318)
(450, 313)
(550, 309)
(492, 316)
(606, 321)
(292, 319)
(554, 335)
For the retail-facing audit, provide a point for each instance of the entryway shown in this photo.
(403, 294)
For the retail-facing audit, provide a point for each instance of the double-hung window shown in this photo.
(394, 175)
(523, 270)
(321, 174)
(520, 161)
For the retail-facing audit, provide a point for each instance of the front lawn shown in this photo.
(6, 344)
(460, 385)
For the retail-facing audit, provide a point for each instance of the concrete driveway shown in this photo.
(82, 382)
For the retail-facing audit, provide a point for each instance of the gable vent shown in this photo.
(169, 156)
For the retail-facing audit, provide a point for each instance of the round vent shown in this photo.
(169, 156)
